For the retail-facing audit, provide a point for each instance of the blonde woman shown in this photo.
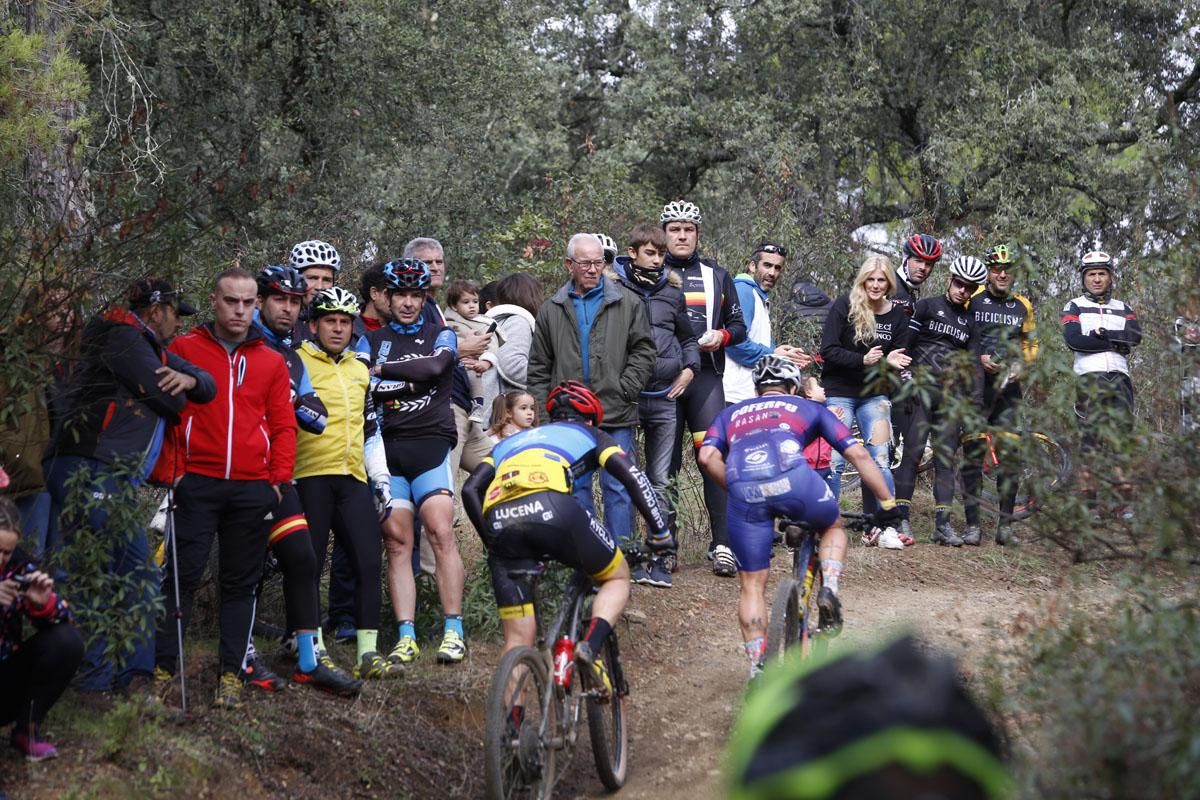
(858, 335)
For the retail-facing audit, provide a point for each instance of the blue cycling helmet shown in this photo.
(406, 273)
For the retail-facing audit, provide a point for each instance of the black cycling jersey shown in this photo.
(937, 329)
(906, 296)
(418, 357)
(311, 414)
(1003, 325)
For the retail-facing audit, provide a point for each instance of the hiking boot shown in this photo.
(258, 674)
(640, 574)
(229, 691)
(972, 535)
(724, 565)
(405, 651)
(592, 672)
(829, 612)
(1006, 537)
(658, 575)
(374, 666)
(329, 680)
(944, 534)
(32, 745)
(890, 540)
(453, 649)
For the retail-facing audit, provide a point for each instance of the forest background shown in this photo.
(175, 139)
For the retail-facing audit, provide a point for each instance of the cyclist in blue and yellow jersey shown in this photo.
(940, 330)
(412, 362)
(755, 450)
(520, 500)
(333, 469)
(1006, 340)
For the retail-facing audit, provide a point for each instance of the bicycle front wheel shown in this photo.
(783, 630)
(607, 724)
(517, 763)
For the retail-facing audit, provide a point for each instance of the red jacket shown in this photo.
(248, 431)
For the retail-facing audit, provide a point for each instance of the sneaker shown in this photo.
(405, 651)
(345, 633)
(640, 574)
(592, 672)
(258, 674)
(229, 691)
(670, 562)
(972, 535)
(1124, 512)
(945, 534)
(659, 575)
(452, 650)
(870, 537)
(374, 666)
(890, 539)
(905, 533)
(829, 612)
(329, 680)
(724, 565)
(32, 745)
(1006, 537)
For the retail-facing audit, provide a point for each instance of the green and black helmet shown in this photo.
(893, 722)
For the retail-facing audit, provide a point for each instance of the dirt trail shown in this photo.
(688, 671)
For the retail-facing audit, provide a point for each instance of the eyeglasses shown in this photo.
(1000, 268)
(773, 249)
(596, 263)
(961, 284)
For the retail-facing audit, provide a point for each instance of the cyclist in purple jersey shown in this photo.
(755, 449)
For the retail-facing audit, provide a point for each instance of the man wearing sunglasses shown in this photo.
(941, 329)
(595, 332)
(753, 289)
(1005, 340)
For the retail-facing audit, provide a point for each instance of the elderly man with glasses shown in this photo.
(595, 332)
(753, 289)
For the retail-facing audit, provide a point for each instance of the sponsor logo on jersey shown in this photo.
(756, 457)
(539, 478)
(520, 511)
(789, 447)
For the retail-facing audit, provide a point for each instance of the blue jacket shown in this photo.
(747, 352)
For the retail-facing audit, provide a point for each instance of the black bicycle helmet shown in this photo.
(281, 279)
(406, 273)
(923, 246)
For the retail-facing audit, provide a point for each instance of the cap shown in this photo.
(148, 291)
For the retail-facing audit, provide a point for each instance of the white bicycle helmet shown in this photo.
(315, 253)
(776, 369)
(680, 211)
(1096, 259)
(610, 247)
(969, 269)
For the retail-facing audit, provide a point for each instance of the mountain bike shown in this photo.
(1039, 463)
(794, 616)
(535, 704)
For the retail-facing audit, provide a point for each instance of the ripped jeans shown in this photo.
(875, 431)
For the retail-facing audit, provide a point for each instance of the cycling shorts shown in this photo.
(798, 494)
(521, 532)
(420, 468)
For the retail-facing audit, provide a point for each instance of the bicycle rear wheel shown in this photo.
(517, 764)
(1044, 467)
(608, 726)
(783, 630)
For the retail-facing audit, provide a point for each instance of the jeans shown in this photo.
(874, 425)
(130, 556)
(658, 416)
(618, 508)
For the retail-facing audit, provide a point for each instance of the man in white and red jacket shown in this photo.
(230, 462)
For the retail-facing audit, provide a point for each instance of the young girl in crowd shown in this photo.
(818, 451)
(512, 413)
(34, 671)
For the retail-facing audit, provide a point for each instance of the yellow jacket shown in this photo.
(342, 384)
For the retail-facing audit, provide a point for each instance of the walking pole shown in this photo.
(171, 545)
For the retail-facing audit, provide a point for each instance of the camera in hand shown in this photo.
(23, 580)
